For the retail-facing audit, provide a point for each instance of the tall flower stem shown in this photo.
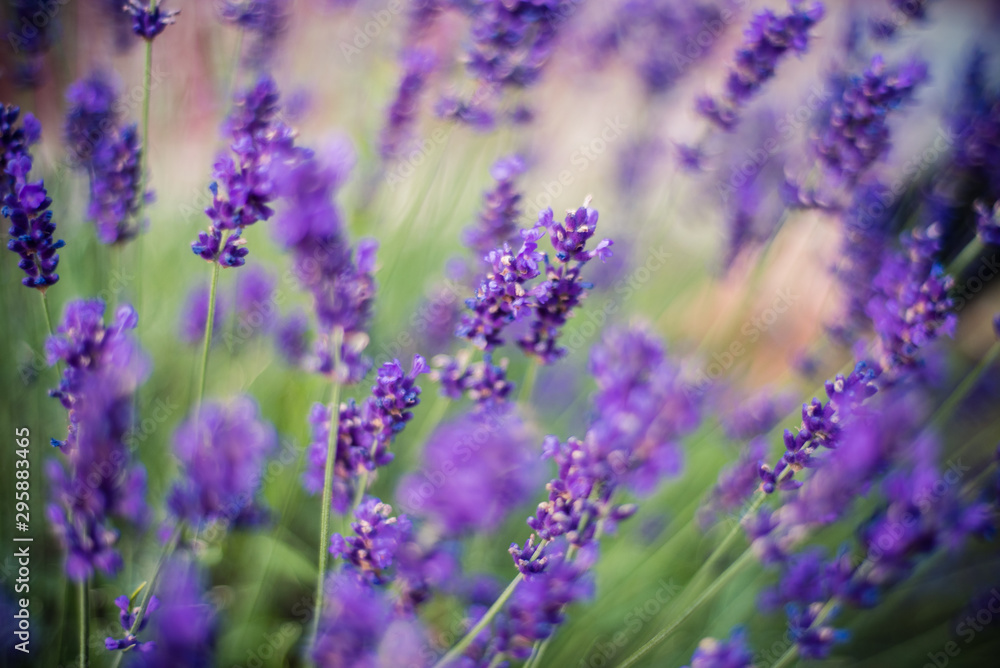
(208, 334)
(528, 384)
(147, 84)
(48, 324)
(83, 588)
(147, 595)
(466, 640)
(331, 455)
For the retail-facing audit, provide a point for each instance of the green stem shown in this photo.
(331, 455)
(208, 334)
(467, 639)
(792, 652)
(147, 595)
(944, 413)
(83, 588)
(147, 84)
(717, 584)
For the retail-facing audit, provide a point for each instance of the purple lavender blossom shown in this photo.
(364, 432)
(497, 222)
(377, 539)
(643, 408)
(244, 186)
(104, 366)
(26, 205)
(502, 296)
(475, 470)
(358, 627)
(14, 141)
(266, 21)
(813, 642)
(30, 37)
(821, 427)
(537, 606)
(988, 223)
(856, 134)
(731, 653)
(404, 111)
(485, 382)
(184, 629)
(222, 450)
(149, 20)
(563, 289)
(91, 115)
(767, 40)
(127, 617)
(312, 228)
(110, 153)
(736, 482)
(910, 307)
(646, 34)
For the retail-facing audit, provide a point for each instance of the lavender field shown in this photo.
(482, 333)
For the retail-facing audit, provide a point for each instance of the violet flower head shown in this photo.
(911, 306)
(378, 537)
(15, 141)
(110, 154)
(364, 432)
(821, 427)
(91, 115)
(736, 482)
(563, 288)
(97, 482)
(497, 223)
(403, 113)
(988, 223)
(730, 653)
(222, 451)
(26, 206)
(813, 641)
(502, 296)
(265, 21)
(474, 471)
(359, 627)
(538, 605)
(512, 40)
(767, 39)
(643, 408)
(149, 20)
(244, 187)
(184, 628)
(486, 383)
(126, 617)
(856, 134)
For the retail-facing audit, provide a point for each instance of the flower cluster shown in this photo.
(222, 450)
(474, 471)
(821, 427)
(126, 617)
(485, 382)
(364, 432)
(111, 155)
(404, 110)
(856, 133)
(767, 39)
(244, 186)
(563, 288)
(149, 19)
(104, 367)
(26, 204)
(911, 306)
(731, 653)
(265, 21)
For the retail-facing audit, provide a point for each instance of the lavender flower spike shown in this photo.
(26, 204)
(563, 289)
(149, 20)
(766, 41)
(405, 108)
